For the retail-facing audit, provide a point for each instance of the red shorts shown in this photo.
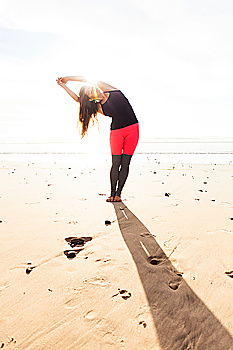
(124, 140)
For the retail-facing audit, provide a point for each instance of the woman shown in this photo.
(108, 100)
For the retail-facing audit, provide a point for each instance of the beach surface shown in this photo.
(157, 275)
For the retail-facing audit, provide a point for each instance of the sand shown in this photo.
(160, 276)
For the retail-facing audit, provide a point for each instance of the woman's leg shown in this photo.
(124, 171)
(116, 144)
(130, 142)
(114, 173)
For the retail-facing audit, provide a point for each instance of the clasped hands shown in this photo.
(61, 81)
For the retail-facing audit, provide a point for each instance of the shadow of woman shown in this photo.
(181, 319)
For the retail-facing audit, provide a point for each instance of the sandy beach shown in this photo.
(158, 276)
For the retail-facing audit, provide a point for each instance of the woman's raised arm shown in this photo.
(101, 84)
(70, 92)
(73, 78)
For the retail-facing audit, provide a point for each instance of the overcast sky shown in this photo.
(171, 58)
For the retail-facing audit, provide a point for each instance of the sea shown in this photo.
(207, 150)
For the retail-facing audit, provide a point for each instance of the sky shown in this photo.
(172, 59)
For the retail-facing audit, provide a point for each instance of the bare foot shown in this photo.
(110, 199)
(117, 199)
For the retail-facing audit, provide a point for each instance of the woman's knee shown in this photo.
(115, 167)
(125, 160)
(116, 161)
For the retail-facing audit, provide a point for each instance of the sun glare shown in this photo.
(91, 79)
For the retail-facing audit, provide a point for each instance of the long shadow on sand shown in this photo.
(181, 319)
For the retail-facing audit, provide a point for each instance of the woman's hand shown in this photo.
(60, 82)
(64, 79)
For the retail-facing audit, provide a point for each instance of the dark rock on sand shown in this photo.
(29, 269)
(77, 241)
(230, 274)
(70, 254)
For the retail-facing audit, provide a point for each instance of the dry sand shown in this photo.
(159, 277)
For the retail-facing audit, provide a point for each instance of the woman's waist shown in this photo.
(129, 126)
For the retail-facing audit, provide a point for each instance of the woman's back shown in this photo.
(119, 109)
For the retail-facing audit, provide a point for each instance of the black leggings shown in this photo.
(119, 176)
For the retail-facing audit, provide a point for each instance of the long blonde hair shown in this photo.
(89, 106)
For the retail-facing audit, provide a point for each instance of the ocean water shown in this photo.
(169, 150)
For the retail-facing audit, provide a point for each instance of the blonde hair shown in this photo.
(88, 99)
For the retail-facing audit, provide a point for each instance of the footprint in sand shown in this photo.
(123, 293)
(97, 281)
(229, 273)
(90, 315)
(174, 285)
(153, 260)
(176, 281)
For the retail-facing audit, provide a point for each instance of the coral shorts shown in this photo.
(124, 140)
